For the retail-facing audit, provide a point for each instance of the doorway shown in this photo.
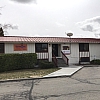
(55, 50)
(84, 55)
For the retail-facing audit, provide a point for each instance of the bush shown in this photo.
(96, 62)
(45, 64)
(17, 61)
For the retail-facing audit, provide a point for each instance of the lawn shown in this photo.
(26, 73)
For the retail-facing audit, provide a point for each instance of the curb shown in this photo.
(24, 79)
(21, 79)
(91, 65)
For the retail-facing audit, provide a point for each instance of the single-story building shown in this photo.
(72, 50)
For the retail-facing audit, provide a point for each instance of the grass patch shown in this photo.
(26, 73)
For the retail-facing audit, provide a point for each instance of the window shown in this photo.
(41, 47)
(1, 47)
(65, 47)
(84, 47)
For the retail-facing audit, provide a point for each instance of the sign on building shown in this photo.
(66, 50)
(20, 47)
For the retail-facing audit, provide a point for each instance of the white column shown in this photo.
(50, 52)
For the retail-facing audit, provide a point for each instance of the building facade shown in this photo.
(77, 50)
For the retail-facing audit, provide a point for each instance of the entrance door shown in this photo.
(55, 50)
(84, 54)
(1, 47)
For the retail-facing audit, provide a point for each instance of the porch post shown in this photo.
(50, 52)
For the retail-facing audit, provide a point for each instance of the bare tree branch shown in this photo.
(9, 26)
(5, 27)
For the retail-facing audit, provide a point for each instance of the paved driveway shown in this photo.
(84, 85)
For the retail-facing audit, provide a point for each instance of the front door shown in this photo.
(84, 55)
(55, 50)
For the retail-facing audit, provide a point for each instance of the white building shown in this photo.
(74, 50)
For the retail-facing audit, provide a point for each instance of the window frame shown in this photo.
(41, 47)
(83, 47)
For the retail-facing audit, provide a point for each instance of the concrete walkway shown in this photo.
(65, 71)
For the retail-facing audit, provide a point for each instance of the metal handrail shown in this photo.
(65, 58)
(54, 59)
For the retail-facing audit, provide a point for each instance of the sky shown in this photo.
(51, 18)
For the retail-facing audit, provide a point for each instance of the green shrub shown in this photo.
(17, 61)
(45, 64)
(96, 62)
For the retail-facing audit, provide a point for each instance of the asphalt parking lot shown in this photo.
(83, 85)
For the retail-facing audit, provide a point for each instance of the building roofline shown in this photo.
(47, 39)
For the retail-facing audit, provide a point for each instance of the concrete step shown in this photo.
(61, 63)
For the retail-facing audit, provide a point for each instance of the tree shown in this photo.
(0, 9)
(1, 32)
(5, 27)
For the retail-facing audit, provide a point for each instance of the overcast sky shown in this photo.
(52, 17)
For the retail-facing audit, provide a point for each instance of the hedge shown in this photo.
(95, 61)
(17, 61)
(45, 64)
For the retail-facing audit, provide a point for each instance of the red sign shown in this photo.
(20, 47)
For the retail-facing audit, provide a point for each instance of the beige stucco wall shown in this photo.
(74, 56)
(94, 51)
(9, 48)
